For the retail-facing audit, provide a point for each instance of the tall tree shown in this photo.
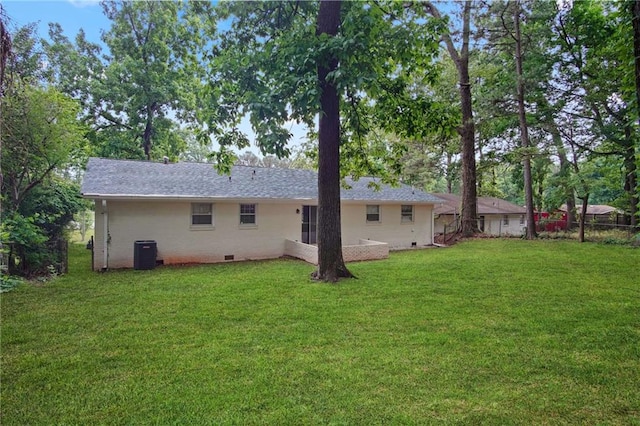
(149, 80)
(635, 24)
(344, 61)
(634, 7)
(40, 134)
(330, 262)
(5, 50)
(597, 70)
(524, 130)
(469, 216)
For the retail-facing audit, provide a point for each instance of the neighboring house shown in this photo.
(495, 216)
(601, 214)
(196, 215)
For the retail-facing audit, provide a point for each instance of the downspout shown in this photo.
(105, 236)
(433, 225)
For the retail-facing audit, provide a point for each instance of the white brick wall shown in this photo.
(303, 251)
(493, 224)
(365, 250)
(169, 224)
(390, 229)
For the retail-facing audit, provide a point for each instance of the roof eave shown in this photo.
(160, 197)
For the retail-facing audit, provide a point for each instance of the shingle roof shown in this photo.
(597, 209)
(486, 205)
(143, 179)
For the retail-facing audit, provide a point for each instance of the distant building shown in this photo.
(601, 214)
(495, 216)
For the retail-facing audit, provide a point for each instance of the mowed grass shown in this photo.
(485, 332)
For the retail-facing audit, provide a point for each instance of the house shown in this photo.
(600, 214)
(495, 216)
(195, 215)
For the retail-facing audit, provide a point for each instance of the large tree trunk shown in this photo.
(524, 130)
(469, 217)
(469, 178)
(330, 261)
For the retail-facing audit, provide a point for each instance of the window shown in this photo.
(505, 220)
(406, 213)
(521, 219)
(201, 214)
(373, 213)
(247, 214)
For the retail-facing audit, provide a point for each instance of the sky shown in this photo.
(70, 14)
(87, 14)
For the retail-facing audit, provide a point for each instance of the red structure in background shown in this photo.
(551, 223)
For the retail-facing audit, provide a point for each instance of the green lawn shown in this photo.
(485, 332)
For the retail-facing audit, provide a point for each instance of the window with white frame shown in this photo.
(201, 214)
(373, 213)
(505, 220)
(406, 213)
(247, 214)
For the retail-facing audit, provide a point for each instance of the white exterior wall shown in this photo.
(390, 229)
(444, 222)
(494, 225)
(169, 224)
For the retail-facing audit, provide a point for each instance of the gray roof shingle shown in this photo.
(144, 179)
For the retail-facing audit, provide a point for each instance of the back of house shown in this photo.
(192, 214)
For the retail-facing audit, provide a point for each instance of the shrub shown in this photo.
(8, 282)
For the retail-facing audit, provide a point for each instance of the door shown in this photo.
(309, 224)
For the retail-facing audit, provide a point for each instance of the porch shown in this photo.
(364, 250)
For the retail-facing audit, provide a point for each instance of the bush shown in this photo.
(8, 282)
(615, 241)
(545, 235)
(35, 234)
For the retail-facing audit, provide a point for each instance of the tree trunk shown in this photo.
(524, 130)
(5, 51)
(635, 22)
(630, 179)
(583, 217)
(565, 172)
(330, 261)
(148, 131)
(469, 216)
(467, 134)
(630, 161)
(449, 173)
(570, 198)
(469, 177)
